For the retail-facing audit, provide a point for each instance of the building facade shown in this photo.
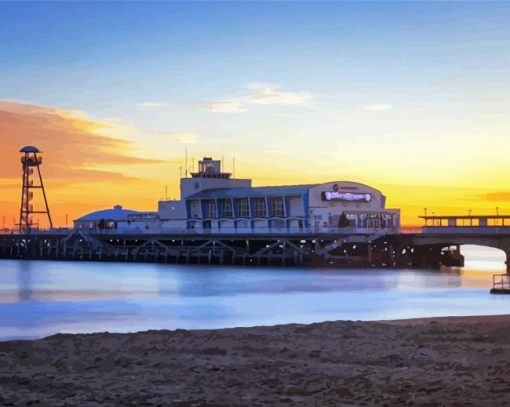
(214, 202)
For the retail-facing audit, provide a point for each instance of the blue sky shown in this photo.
(387, 93)
(87, 56)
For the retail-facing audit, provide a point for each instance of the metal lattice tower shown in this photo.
(31, 161)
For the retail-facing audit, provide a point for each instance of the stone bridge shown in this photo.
(490, 231)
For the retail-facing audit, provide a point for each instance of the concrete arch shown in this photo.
(497, 242)
(483, 257)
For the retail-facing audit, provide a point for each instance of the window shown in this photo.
(210, 209)
(194, 209)
(277, 207)
(260, 207)
(243, 209)
(226, 208)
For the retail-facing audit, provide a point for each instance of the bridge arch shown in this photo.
(497, 242)
(483, 257)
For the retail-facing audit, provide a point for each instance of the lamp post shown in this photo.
(426, 220)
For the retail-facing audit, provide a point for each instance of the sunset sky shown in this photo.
(410, 98)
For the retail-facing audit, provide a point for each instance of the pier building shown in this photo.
(220, 219)
(212, 201)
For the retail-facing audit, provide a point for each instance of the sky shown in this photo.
(411, 98)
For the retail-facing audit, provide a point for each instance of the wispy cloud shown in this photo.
(150, 104)
(260, 94)
(225, 106)
(185, 138)
(497, 197)
(270, 94)
(378, 107)
(73, 144)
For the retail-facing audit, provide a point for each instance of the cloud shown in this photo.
(150, 104)
(378, 107)
(72, 144)
(269, 94)
(497, 196)
(185, 138)
(261, 94)
(225, 106)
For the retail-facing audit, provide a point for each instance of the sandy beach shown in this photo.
(427, 362)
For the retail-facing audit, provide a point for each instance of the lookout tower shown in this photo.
(209, 168)
(31, 162)
(210, 176)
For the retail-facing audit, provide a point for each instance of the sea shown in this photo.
(41, 298)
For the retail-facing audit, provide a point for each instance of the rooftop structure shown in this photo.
(29, 149)
(209, 168)
(103, 219)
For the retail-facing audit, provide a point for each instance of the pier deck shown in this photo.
(283, 249)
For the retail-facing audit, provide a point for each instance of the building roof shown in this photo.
(29, 149)
(252, 191)
(116, 214)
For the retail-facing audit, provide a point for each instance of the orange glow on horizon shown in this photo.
(88, 165)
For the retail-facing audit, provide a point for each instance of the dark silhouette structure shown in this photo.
(31, 162)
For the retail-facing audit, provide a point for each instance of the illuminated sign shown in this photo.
(345, 196)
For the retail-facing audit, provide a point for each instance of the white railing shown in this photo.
(233, 230)
(484, 230)
(501, 281)
(202, 231)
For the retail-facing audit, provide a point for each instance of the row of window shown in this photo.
(259, 208)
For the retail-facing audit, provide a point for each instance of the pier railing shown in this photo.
(501, 281)
(213, 231)
(482, 230)
(54, 231)
(501, 284)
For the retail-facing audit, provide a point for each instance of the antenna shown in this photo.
(186, 162)
(193, 164)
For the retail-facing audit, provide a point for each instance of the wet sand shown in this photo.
(426, 362)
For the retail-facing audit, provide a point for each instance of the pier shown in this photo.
(277, 248)
(435, 245)
(225, 220)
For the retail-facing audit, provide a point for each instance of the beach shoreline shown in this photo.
(425, 361)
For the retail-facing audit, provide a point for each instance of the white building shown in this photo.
(214, 202)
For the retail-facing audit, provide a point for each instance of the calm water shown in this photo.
(42, 298)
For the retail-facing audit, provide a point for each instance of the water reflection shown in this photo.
(41, 298)
(24, 280)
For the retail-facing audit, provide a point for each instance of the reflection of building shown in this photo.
(212, 201)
